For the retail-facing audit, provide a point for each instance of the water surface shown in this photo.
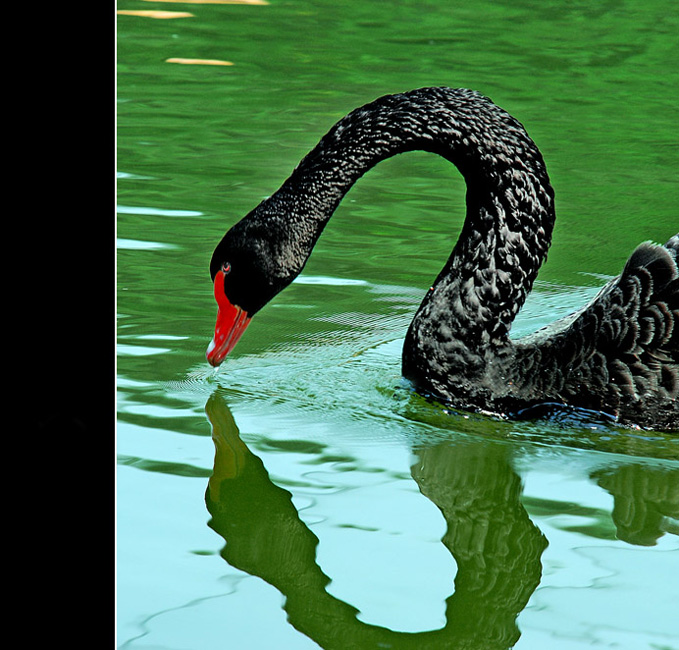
(303, 496)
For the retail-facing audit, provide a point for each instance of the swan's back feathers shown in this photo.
(623, 348)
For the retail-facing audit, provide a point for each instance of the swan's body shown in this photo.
(618, 355)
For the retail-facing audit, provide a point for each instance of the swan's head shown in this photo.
(248, 269)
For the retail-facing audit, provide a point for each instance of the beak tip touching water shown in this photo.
(210, 356)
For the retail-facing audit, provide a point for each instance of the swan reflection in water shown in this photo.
(490, 535)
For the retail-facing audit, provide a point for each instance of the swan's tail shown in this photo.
(624, 345)
(642, 328)
(673, 246)
(650, 285)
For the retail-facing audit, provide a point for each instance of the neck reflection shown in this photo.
(495, 545)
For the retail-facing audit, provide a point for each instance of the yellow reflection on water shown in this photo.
(150, 13)
(197, 61)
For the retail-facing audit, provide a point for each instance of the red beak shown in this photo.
(231, 323)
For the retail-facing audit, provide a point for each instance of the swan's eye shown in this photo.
(226, 268)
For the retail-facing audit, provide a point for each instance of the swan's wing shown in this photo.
(623, 347)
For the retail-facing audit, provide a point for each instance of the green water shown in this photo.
(302, 497)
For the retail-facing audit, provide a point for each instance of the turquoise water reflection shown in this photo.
(398, 522)
(499, 503)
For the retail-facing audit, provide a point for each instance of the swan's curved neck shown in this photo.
(510, 211)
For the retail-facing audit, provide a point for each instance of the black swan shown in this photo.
(619, 355)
